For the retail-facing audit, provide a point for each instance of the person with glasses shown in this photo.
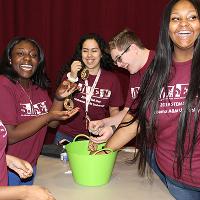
(128, 52)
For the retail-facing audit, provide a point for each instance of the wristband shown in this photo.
(71, 79)
(59, 98)
(113, 128)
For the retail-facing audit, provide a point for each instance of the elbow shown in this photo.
(11, 140)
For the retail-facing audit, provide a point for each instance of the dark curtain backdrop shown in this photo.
(58, 24)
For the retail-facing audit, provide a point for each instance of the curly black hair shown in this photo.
(106, 61)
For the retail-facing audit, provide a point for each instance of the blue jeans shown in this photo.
(15, 180)
(59, 136)
(178, 190)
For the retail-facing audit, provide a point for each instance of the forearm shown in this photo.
(115, 120)
(57, 105)
(123, 135)
(113, 111)
(12, 192)
(27, 128)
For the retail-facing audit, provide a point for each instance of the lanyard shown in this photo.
(90, 92)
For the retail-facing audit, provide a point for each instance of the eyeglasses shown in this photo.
(119, 58)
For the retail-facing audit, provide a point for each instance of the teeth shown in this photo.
(90, 61)
(184, 32)
(26, 67)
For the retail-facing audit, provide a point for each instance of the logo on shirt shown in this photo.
(176, 94)
(3, 130)
(98, 93)
(29, 109)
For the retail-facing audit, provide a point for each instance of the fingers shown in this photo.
(76, 66)
(72, 112)
(98, 140)
(95, 126)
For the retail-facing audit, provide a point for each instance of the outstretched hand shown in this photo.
(37, 192)
(65, 89)
(63, 115)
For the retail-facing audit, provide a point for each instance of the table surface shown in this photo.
(124, 183)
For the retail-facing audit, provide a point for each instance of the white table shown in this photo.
(124, 184)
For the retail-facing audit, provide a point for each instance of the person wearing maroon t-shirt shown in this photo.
(25, 107)
(23, 169)
(99, 95)
(167, 115)
(129, 53)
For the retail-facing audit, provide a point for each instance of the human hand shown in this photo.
(21, 167)
(95, 126)
(37, 192)
(62, 115)
(65, 89)
(76, 66)
(104, 134)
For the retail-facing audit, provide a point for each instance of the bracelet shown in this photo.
(113, 128)
(59, 98)
(71, 79)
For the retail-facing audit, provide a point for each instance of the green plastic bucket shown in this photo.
(89, 170)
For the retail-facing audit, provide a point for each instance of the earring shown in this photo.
(10, 62)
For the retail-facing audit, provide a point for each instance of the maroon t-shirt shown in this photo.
(3, 165)
(135, 81)
(106, 93)
(168, 119)
(16, 106)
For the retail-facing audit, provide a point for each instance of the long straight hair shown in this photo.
(157, 78)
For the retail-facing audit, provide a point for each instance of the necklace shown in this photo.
(24, 91)
(89, 94)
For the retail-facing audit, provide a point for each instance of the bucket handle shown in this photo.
(81, 135)
(105, 149)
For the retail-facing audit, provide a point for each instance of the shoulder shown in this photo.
(6, 82)
(152, 54)
(109, 74)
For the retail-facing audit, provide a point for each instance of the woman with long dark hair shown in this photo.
(167, 115)
(100, 93)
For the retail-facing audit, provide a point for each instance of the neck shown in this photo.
(183, 55)
(144, 54)
(25, 83)
(94, 71)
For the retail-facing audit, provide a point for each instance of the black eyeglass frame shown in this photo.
(118, 59)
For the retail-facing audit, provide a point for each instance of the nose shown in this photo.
(89, 53)
(119, 64)
(27, 57)
(183, 22)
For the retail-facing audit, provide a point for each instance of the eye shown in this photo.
(34, 54)
(20, 53)
(193, 17)
(84, 50)
(175, 19)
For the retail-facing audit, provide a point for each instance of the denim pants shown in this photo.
(15, 180)
(59, 136)
(178, 190)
